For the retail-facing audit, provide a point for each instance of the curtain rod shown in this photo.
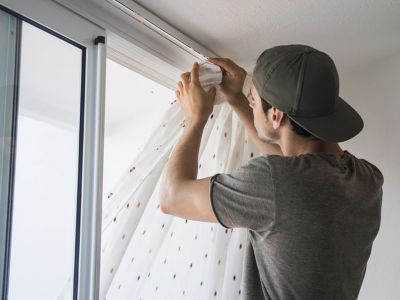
(162, 28)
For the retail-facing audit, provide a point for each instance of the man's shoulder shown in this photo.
(371, 169)
(271, 161)
(259, 164)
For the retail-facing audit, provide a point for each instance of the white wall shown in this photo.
(374, 90)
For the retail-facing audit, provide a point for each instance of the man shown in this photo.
(311, 209)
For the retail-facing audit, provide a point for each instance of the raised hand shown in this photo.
(233, 77)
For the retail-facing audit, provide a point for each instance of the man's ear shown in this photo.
(278, 118)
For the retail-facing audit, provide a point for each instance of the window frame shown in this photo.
(72, 28)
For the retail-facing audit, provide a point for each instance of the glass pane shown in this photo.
(8, 44)
(46, 175)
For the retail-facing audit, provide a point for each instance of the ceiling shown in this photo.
(352, 32)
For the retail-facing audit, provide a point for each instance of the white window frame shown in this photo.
(64, 22)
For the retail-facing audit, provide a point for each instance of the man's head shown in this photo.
(301, 85)
(270, 122)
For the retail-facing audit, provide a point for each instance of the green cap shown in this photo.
(303, 82)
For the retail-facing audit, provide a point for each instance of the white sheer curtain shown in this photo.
(147, 254)
(150, 255)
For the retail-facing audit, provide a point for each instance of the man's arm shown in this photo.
(183, 195)
(241, 106)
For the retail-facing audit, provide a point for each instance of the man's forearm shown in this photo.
(241, 107)
(183, 162)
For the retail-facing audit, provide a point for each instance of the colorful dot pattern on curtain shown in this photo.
(149, 255)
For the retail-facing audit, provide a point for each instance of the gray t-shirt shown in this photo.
(311, 221)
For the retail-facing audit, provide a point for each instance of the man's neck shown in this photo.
(293, 145)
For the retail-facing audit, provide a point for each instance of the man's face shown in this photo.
(262, 121)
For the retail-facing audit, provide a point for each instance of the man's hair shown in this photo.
(295, 127)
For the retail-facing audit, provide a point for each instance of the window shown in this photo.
(46, 173)
(52, 84)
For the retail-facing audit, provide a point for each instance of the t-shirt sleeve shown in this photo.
(245, 198)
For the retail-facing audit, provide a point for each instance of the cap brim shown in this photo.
(340, 126)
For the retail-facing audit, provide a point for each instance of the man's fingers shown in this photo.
(194, 75)
(224, 63)
(180, 86)
(212, 91)
(185, 79)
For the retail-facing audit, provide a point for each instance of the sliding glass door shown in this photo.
(9, 32)
(51, 100)
(46, 166)
(40, 152)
